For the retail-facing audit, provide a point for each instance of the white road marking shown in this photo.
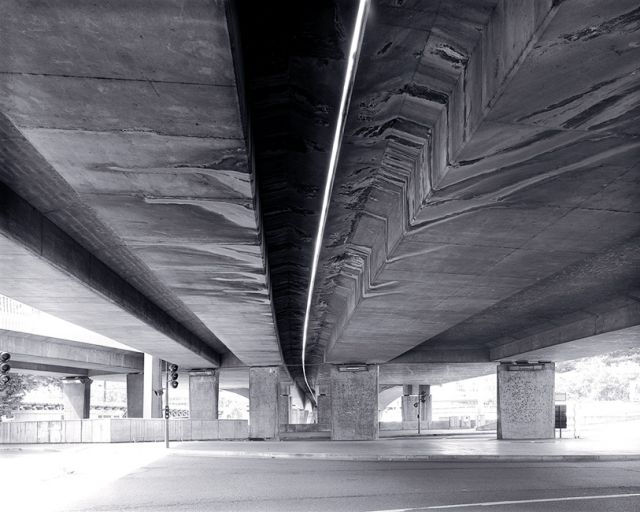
(513, 502)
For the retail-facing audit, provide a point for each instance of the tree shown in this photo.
(13, 392)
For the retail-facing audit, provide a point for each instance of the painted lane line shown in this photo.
(513, 502)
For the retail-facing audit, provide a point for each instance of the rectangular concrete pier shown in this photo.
(525, 401)
(354, 404)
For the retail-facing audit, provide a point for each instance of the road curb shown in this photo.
(407, 458)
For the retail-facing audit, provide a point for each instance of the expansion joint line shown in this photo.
(347, 88)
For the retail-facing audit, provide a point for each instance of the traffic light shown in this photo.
(4, 368)
(173, 375)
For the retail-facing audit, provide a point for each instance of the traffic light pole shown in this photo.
(166, 407)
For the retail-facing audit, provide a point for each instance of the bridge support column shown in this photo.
(76, 397)
(135, 395)
(413, 394)
(152, 400)
(284, 404)
(526, 401)
(323, 406)
(354, 402)
(204, 387)
(263, 402)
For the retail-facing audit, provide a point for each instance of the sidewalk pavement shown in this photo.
(618, 443)
(613, 443)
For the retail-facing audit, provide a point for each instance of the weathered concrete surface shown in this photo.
(30, 177)
(487, 192)
(526, 401)
(611, 341)
(388, 393)
(284, 404)
(411, 395)
(354, 404)
(139, 115)
(76, 397)
(31, 348)
(48, 370)
(433, 373)
(263, 402)
(295, 59)
(597, 295)
(606, 327)
(203, 395)
(37, 270)
(119, 430)
(152, 384)
(455, 192)
(135, 395)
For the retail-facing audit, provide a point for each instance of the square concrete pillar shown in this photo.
(135, 395)
(263, 402)
(324, 406)
(203, 395)
(354, 402)
(526, 401)
(76, 397)
(284, 403)
(413, 394)
(426, 408)
(409, 412)
(152, 399)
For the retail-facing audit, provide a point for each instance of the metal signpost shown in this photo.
(166, 406)
(422, 398)
(171, 371)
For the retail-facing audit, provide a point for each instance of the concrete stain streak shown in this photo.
(239, 214)
(114, 79)
(627, 22)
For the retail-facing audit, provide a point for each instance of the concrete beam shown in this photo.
(40, 259)
(433, 373)
(42, 350)
(435, 354)
(622, 339)
(610, 327)
(48, 370)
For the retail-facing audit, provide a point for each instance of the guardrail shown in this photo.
(120, 430)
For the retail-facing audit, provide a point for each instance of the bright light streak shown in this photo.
(42, 478)
(333, 164)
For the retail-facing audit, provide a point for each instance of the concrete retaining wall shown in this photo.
(123, 430)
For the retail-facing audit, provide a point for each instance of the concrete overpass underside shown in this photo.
(162, 169)
(31, 353)
(487, 196)
(123, 127)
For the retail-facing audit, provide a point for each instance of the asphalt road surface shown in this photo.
(201, 483)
